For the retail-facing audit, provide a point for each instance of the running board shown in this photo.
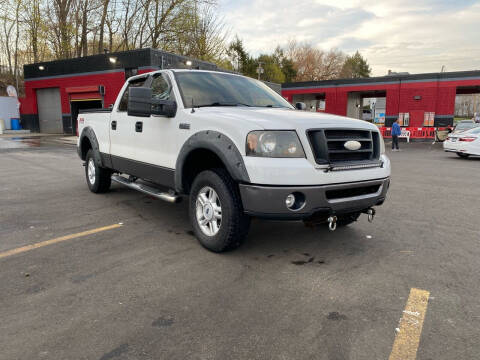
(150, 190)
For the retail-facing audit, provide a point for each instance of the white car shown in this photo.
(236, 149)
(464, 144)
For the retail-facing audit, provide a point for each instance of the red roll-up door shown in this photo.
(85, 93)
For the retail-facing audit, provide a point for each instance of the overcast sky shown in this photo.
(402, 35)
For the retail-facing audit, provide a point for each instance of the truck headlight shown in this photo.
(268, 142)
(278, 144)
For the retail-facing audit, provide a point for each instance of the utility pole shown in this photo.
(475, 98)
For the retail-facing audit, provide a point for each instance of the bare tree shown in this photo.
(113, 23)
(18, 6)
(162, 13)
(87, 11)
(41, 30)
(61, 27)
(314, 64)
(8, 25)
(207, 40)
(103, 18)
(33, 21)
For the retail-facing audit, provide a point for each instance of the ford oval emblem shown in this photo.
(352, 145)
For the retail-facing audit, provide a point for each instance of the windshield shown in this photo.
(221, 89)
(476, 130)
(465, 125)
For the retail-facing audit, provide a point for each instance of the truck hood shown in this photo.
(282, 119)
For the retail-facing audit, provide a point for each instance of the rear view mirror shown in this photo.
(300, 106)
(140, 103)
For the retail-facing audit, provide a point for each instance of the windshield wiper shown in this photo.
(221, 104)
(277, 106)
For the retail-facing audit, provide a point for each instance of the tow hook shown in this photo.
(332, 223)
(371, 214)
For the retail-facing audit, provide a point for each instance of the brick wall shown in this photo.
(434, 96)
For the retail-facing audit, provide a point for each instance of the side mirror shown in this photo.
(166, 108)
(301, 106)
(140, 103)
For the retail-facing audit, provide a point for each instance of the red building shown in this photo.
(56, 90)
(422, 102)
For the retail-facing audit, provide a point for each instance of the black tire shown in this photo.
(347, 219)
(101, 181)
(234, 224)
(462, 155)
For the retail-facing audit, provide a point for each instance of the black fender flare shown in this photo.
(88, 133)
(219, 144)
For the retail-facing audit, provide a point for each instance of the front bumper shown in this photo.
(269, 201)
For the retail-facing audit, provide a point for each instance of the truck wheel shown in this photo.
(462, 155)
(216, 212)
(347, 219)
(98, 178)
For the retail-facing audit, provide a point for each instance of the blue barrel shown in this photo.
(15, 124)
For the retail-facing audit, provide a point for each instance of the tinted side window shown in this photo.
(124, 101)
(161, 88)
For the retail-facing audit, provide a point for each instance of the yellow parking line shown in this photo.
(410, 329)
(56, 240)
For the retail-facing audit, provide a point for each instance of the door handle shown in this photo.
(114, 125)
(139, 126)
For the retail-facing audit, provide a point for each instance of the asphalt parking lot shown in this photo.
(143, 288)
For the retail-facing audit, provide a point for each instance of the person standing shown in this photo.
(476, 117)
(396, 132)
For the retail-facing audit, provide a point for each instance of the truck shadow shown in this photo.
(292, 240)
(276, 237)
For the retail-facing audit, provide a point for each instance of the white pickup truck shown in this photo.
(237, 149)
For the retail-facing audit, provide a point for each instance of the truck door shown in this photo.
(145, 146)
(123, 143)
(158, 145)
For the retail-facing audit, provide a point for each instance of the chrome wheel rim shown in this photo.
(91, 171)
(208, 211)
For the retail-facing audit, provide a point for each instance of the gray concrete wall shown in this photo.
(8, 110)
(353, 110)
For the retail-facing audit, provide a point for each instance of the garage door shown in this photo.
(50, 110)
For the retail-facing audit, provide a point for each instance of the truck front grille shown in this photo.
(328, 146)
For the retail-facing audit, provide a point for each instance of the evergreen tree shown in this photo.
(355, 66)
(240, 59)
(286, 65)
(272, 69)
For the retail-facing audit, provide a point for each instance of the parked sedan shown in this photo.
(464, 144)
